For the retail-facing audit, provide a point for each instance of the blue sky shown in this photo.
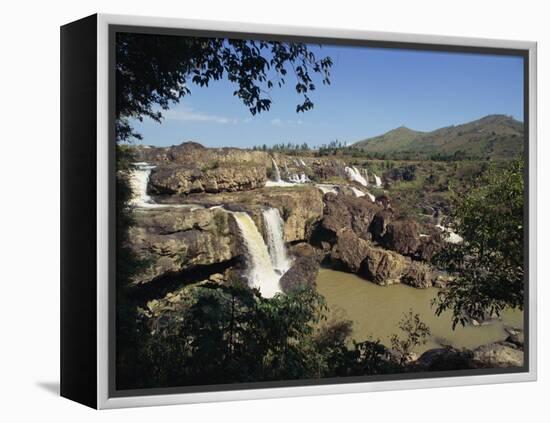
(372, 91)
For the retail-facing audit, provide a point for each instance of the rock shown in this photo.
(303, 271)
(446, 358)
(418, 275)
(187, 179)
(384, 267)
(343, 211)
(303, 249)
(301, 207)
(402, 236)
(200, 156)
(497, 354)
(379, 224)
(516, 338)
(429, 246)
(350, 250)
(173, 240)
(217, 278)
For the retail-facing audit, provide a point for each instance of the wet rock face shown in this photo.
(184, 180)
(173, 240)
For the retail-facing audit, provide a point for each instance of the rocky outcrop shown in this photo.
(378, 265)
(350, 250)
(185, 179)
(402, 236)
(418, 275)
(446, 358)
(384, 267)
(497, 354)
(379, 224)
(194, 153)
(174, 240)
(301, 207)
(344, 211)
(303, 272)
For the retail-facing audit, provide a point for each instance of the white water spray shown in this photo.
(377, 181)
(357, 192)
(355, 176)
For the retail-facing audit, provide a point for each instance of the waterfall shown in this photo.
(276, 170)
(354, 175)
(274, 229)
(139, 179)
(357, 192)
(377, 180)
(325, 188)
(302, 162)
(371, 197)
(449, 235)
(260, 270)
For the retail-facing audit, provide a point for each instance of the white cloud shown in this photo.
(187, 113)
(276, 122)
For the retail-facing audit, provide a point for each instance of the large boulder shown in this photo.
(497, 354)
(344, 211)
(350, 250)
(402, 236)
(173, 240)
(379, 224)
(445, 358)
(187, 179)
(384, 267)
(303, 272)
(418, 275)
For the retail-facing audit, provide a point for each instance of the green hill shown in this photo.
(494, 136)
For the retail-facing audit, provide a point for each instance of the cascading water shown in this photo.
(377, 181)
(325, 188)
(261, 274)
(355, 176)
(357, 192)
(371, 197)
(276, 170)
(139, 178)
(274, 229)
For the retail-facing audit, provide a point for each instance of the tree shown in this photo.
(157, 70)
(416, 333)
(488, 265)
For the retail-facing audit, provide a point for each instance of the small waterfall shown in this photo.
(377, 180)
(357, 192)
(276, 170)
(449, 235)
(325, 188)
(260, 270)
(139, 179)
(371, 197)
(274, 229)
(354, 175)
(302, 162)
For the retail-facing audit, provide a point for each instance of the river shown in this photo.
(376, 310)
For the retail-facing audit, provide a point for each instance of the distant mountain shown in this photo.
(494, 136)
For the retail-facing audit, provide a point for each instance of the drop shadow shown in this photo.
(51, 387)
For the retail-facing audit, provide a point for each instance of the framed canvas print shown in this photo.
(254, 211)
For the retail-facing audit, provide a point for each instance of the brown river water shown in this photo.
(376, 310)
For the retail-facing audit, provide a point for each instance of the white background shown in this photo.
(29, 228)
